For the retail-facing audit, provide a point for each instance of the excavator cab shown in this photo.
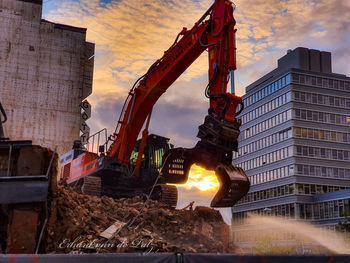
(152, 156)
(151, 165)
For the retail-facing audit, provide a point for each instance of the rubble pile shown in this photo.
(77, 221)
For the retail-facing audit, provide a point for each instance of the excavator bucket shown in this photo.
(234, 184)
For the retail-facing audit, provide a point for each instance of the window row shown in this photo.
(320, 82)
(323, 210)
(322, 135)
(312, 189)
(320, 117)
(321, 99)
(268, 193)
(267, 158)
(265, 142)
(271, 88)
(271, 175)
(267, 124)
(267, 107)
(304, 169)
(290, 189)
(330, 209)
(325, 153)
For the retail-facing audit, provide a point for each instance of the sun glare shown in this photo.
(202, 179)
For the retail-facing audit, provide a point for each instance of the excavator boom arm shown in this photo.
(216, 34)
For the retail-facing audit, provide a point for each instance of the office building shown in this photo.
(295, 141)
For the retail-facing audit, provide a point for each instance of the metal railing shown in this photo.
(93, 142)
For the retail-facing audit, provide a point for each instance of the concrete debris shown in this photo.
(87, 224)
(113, 229)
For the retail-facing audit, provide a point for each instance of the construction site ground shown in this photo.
(77, 221)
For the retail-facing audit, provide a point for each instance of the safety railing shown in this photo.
(94, 142)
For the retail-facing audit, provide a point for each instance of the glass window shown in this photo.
(296, 95)
(320, 116)
(307, 189)
(313, 81)
(304, 132)
(347, 86)
(311, 151)
(309, 115)
(325, 83)
(310, 133)
(336, 84)
(319, 82)
(308, 97)
(340, 155)
(317, 152)
(337, 102)
(305, 151)
(346, 155)
(342, 102)
(288, 79)
(312, 170)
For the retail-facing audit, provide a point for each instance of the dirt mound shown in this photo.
(76, 222)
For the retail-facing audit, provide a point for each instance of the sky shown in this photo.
(131, 34)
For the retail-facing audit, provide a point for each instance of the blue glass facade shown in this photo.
(295, 142)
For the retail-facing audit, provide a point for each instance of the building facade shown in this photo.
(295, 141)
(46, 72)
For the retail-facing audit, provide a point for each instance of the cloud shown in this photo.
(266, 29)
(172, 118)
(131, 35)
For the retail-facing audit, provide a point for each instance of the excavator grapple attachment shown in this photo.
(212, 152)
(234, 184)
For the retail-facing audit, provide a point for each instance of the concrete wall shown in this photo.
(45, 73)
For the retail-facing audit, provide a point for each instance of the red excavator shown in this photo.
(128, 167)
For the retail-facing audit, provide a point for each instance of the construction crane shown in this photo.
(130, 167)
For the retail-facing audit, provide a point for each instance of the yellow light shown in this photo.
(202, 179)
(347, 119)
